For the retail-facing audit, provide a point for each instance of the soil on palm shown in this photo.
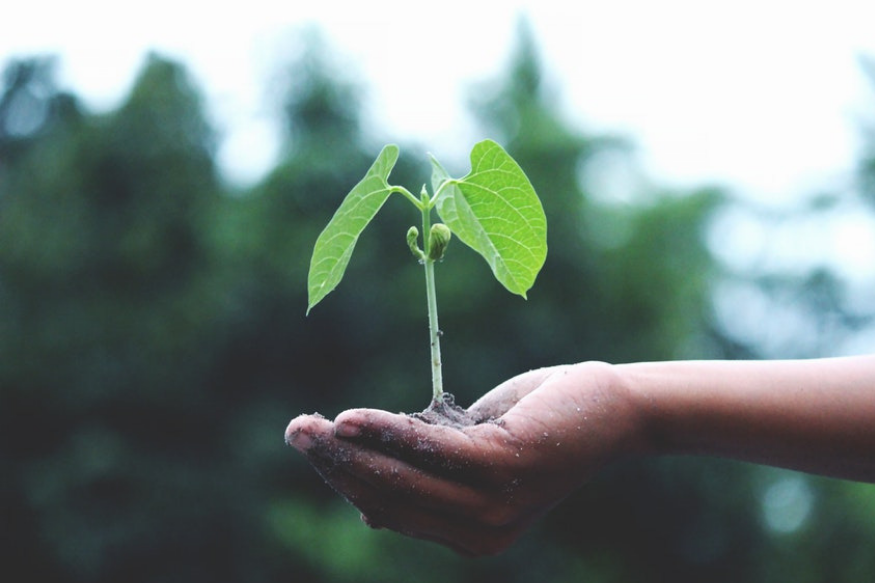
(446, 412)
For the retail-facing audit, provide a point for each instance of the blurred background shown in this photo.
(709, 181)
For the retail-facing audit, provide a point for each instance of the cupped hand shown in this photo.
(475, 489)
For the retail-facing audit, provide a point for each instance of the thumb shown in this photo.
(505, 396)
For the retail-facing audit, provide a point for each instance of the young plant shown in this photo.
(493, 209)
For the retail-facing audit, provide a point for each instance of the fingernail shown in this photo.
(299, 440)
(302, 442)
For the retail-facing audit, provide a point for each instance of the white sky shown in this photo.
(761, 95)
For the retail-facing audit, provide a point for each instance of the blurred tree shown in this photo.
(30, 104)
(106, 304)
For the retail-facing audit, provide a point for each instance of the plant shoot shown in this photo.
(494, 210)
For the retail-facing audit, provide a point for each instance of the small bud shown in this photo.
(438, 240)
(412, 236)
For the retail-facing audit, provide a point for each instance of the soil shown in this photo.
(446, 412)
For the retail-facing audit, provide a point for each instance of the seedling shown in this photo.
(494, 210)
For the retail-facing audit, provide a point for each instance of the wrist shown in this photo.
(620, 405)
(649, 434)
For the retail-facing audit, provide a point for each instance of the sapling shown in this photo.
(493, 209)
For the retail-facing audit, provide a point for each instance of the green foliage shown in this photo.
(335, 244)
(495, 211)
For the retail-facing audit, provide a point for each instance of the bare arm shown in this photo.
(812, 415)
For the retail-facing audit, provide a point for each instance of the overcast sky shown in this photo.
(763, 96)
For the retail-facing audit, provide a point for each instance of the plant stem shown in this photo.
(437, 382)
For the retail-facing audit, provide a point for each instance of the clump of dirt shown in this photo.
(446, 412)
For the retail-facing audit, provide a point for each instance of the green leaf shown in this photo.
(336, 242)
(495, 211)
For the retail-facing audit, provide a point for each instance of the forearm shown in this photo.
(810, 415)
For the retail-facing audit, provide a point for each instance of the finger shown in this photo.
(461, 532)
(303, 430)
(437, 448)
(394, 477)
(314, 436)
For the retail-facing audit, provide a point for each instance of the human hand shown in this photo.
(475, 489)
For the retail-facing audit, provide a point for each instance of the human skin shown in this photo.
(476, 489)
